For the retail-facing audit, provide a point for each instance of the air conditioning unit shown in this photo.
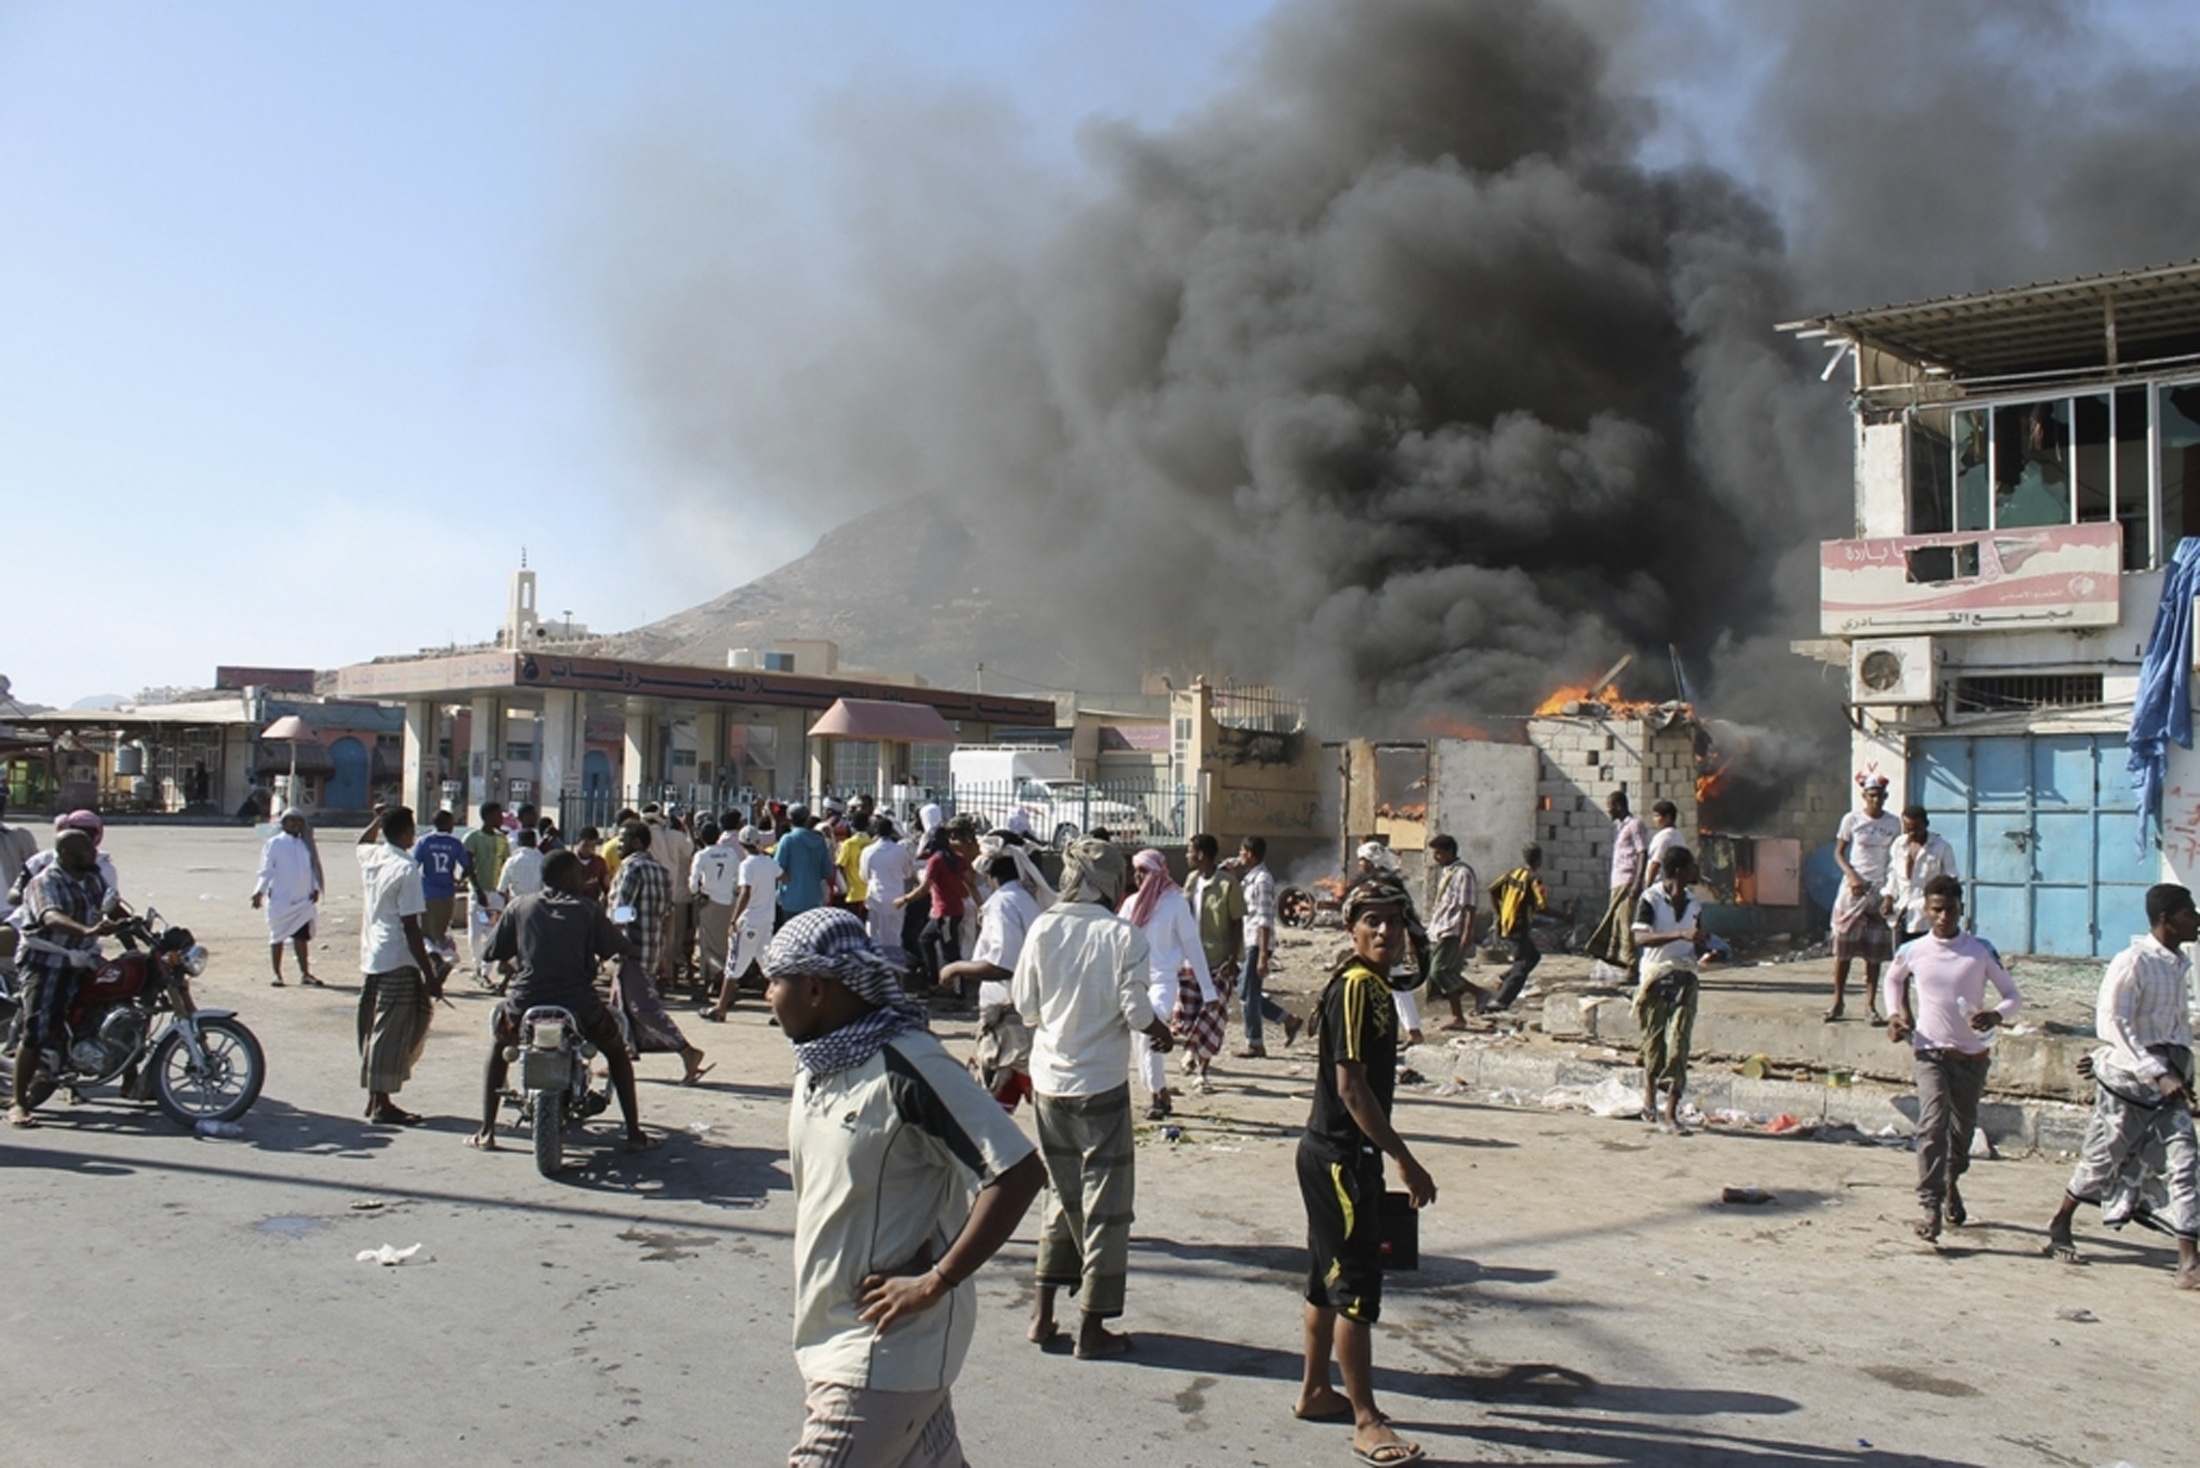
(1891, 670)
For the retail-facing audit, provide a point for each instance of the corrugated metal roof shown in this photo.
(2148, 313)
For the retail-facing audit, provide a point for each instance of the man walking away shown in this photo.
(2143, 1096)
(1452, 895)
(1081, 985)
(675, 852)
(714, 877)
(805, 864)
(444, 863)
(1340, 1167)
(1258, 887)
(1518, 897)
(1613, 942)
(1669, 935)
(489, 849)
(287, 888)
(18, 844)
(644, 894)
(888, 1141)
(400, 982)
(557, 937)
(1947, 1023)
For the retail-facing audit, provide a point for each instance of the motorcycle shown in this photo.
(133, 1022)
(554, 1080)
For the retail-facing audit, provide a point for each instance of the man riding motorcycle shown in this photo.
(62, 925)
(558, 935)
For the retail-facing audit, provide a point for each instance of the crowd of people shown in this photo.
(1112, 974)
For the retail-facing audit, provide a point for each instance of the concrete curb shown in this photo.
(2015, 1127)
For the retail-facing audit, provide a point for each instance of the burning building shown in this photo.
(2027, 461)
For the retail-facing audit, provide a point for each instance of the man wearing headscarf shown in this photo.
(1178, 982)
(1340, 1167)
(887, 1138)
(1081, 985)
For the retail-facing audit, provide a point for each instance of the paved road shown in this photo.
(1584, 1299)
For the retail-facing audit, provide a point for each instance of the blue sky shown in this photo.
(297, 302)
(311, 314)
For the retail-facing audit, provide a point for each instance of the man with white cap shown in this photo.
(888, 1140)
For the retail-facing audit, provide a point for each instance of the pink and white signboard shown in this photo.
(2049, 576)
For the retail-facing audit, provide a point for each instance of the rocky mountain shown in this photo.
(902, 589)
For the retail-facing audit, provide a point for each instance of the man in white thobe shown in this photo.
(287, 890)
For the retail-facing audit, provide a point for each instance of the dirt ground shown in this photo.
(1584, 1296)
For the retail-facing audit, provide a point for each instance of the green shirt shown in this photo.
(488, 849)
(1220, 903)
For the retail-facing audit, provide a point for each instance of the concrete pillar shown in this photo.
(423, 730)
(485, 760)
(637, 766)
(564, 741)
(710, 749)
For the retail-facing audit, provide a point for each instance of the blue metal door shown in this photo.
(347, 788)
(2041, 825)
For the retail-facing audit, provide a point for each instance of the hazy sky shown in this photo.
(297, 302)
(312, 315)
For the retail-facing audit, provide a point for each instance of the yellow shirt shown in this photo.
(850, 863)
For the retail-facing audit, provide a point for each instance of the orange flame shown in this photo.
(1445, 726)
(1606, 695)
(1711, 784)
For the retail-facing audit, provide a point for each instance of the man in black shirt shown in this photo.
(558, 935)
(1340, 1165)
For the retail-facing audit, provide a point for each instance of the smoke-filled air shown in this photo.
(1394, 374)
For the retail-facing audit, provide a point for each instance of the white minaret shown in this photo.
(521, 624)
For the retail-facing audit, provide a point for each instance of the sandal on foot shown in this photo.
(695, 1076)
(276, 982)
(311, 982)
(394, 1116)
(1389, 1455)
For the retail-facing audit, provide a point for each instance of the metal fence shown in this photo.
(1257, 707)
(1132, 812)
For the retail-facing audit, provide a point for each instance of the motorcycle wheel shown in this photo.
(224, 1089)
(549, 1135)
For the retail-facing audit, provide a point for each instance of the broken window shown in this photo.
(2080, 460)
(2180, 465)
(1931, 473)
(1942, 563)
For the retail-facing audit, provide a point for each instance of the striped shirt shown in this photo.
(645, 886)
(1452, 906)
(2145, 1001)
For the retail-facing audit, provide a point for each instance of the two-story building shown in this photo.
(2026, 462)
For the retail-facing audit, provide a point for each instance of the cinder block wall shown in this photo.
(1583, 761)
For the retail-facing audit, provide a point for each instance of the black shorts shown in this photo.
(1344, 1231)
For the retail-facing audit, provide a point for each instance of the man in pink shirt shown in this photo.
(1935, 996)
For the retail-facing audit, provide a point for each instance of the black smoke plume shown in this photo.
(1394, 374)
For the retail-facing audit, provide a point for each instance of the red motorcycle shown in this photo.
(133, 1022)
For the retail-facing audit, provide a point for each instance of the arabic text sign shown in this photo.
(2049, 576)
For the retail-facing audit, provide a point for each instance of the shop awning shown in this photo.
(884, 720)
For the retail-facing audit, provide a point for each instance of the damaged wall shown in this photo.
(1583, 760)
